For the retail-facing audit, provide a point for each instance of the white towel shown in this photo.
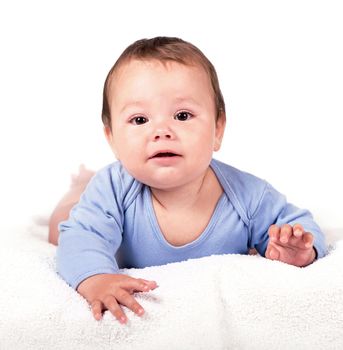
(217, 302)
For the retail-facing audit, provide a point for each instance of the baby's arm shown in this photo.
(89, 240)
(291, 245)
(281, 231)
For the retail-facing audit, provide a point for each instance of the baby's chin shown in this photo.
(164, 182)
(168, 178)
(168, 184)
(161, 184)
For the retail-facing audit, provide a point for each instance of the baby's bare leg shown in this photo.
(62, 210)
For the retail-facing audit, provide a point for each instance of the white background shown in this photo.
(279, 65)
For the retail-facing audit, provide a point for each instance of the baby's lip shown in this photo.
(164, 153)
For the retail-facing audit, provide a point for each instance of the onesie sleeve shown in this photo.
(91, 236)
(274, 209)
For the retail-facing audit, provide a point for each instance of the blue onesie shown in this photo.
(114, 224)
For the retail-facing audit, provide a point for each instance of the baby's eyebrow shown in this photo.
(187, 99)
(131, 104)
(142, 104)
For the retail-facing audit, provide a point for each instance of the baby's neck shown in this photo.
(187, 196)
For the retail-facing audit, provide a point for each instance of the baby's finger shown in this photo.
(274, 233)
(272, 253)
(96, 307)
(285, 233)
(112, 305)
(308, 239)
(136, 284)
(150, 284)
(298, 230)
(129, 301)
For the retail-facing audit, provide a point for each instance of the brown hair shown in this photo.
(165, 49)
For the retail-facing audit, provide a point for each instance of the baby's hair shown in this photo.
(165, 49)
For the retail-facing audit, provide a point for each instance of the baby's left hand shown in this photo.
(291, 245)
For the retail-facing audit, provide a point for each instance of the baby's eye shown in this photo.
(183, 116)
(138, 120)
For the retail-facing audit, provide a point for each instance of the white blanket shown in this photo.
(218, 302)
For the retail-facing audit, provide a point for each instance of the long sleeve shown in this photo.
(273, 208)
(91, 236)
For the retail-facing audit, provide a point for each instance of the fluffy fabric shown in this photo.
(218, 302)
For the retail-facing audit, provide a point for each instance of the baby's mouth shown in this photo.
(165, 154)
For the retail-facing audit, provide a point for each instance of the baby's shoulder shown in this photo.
(118, 183)
(245, 189)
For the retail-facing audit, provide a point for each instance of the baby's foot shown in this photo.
(82, 178)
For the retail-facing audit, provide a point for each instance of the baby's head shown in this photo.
(164, 49)
(163, 111)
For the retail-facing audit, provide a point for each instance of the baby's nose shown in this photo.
(163, 134)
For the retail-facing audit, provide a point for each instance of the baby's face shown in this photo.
(163, 122)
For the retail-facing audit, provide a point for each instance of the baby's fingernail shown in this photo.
(297, 232)
(307, 245)
(140, 312)
(122, 319)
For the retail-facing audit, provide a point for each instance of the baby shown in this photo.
(166, 199)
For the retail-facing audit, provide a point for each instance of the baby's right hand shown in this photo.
(107, 291)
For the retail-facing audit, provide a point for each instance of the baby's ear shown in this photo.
(108, 134)
(220, 128)
(110, 140)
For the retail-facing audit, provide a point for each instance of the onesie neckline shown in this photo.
(205, 233)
